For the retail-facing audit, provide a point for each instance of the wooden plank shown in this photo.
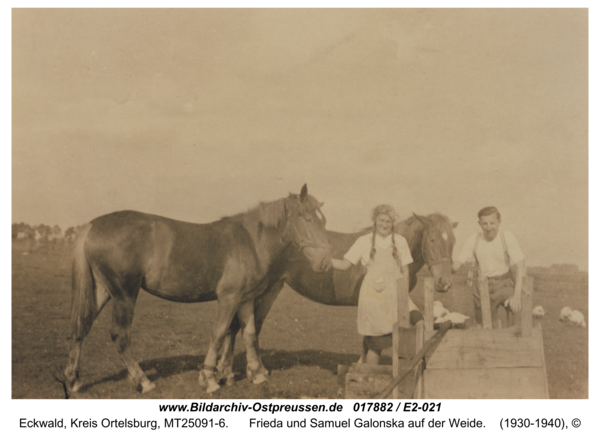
(500, 383)
(419, 335)
(404, 347)
(428, 303)
(475, 349)
(417, 358)
(403, 308)
(401, 346)
(546, 390)
(419, 385)
(486, 310)
(419, 341)
(395, 354)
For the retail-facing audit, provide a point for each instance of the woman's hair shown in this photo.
(384, 209)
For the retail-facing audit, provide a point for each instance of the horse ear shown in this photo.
(303, 193)
(322, 202)
(423, 219)
(454, 225)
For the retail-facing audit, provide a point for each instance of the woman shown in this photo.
(386, 256)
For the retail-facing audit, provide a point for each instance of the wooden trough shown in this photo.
(477, 363)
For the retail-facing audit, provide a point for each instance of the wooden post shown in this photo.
(403, 308)
(527, 306)
(419, 389)
(417, 358)
(428, 304)
(486, 309)
(395, 362)
(400, 347)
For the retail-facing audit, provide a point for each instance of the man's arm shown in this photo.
(465, 254)
(515, 301)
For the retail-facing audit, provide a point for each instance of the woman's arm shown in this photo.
(456, 266)
(341, 264)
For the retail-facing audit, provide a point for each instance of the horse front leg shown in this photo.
(225, 365)
(253, 369)
(262, 306)
(227, 309)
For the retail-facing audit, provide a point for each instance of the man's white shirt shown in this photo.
(491, 254)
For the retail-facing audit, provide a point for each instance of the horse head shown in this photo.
(307, 229)
(437, 243)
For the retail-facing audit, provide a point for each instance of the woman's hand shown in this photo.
(341, 264)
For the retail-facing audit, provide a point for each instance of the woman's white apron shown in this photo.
(378, 300)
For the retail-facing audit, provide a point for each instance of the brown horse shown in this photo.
(430, 239)
(228, 261)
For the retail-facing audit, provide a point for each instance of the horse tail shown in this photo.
(83, 303)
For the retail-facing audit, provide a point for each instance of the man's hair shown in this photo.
(488, 211)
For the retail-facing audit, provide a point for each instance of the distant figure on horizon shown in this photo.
(494, 252)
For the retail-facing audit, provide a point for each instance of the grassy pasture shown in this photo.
(302, 342)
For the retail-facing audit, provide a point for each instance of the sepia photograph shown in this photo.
(335, 203)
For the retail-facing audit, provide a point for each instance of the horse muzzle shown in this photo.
(320, 258)
(442, 286)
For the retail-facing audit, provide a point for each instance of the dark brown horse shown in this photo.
(228, 261)
(430, 239)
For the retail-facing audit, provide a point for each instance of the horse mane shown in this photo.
(412, 229)
(273, 213)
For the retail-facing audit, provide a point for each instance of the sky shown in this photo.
(200, 113)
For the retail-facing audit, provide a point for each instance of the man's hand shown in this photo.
(514, 302)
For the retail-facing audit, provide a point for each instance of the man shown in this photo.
(489, 249)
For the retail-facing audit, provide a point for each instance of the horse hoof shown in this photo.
(147, 386)
(259, 379)
(75, 387)
(212, 387)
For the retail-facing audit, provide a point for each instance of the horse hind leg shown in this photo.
(120, 333)
(81, 329)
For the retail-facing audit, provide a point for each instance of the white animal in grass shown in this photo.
(576, 317)
(564, 314)
(439, 310)
(572, 316)
(538, 312)
(455, 317)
